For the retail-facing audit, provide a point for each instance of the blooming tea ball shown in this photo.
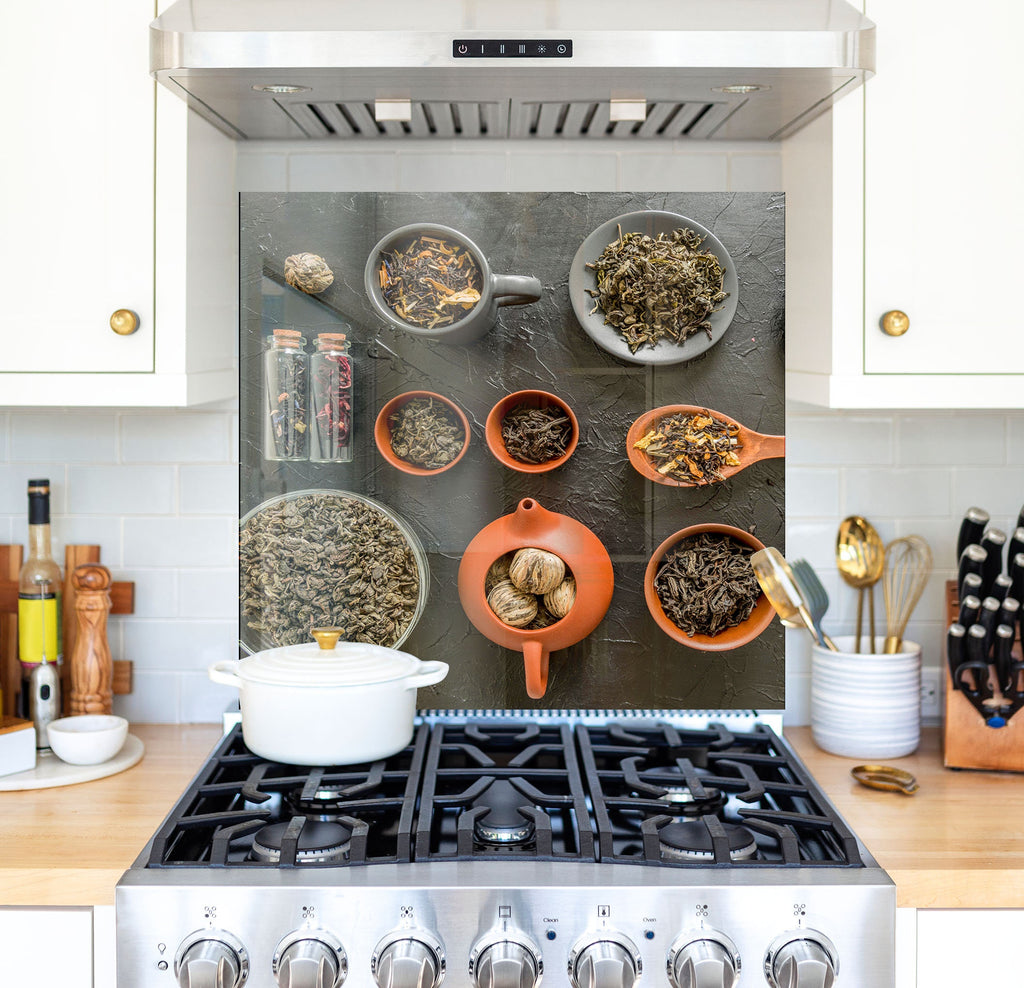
(308, 272)
(512, 606)
(536, 570)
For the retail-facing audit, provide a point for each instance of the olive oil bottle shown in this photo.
(39, 593)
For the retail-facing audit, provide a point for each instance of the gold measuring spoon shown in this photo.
(885, 777)
(860, 559)
(776, 580)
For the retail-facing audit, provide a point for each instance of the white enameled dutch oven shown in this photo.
(327, 702)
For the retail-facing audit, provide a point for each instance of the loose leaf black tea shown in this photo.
(426, 433)
(326, 559)
(536, 435)
(705, 584)
(430, 283)
(691, 448)
(651, 289)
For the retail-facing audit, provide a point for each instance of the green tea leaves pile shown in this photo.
(426, 433)
(652, 289)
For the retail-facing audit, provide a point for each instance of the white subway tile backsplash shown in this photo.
(85, 437)
(755, 172)
(101, 530)
(118, 489)
(1000, 491)
(178, 645)
(176, 437)
(652, 172)
(203, 701)
(952, 440)
(846, 440)
(5, 425)
(156, 592)
(14, 478)
(469, 172)
(180, 542)
(209, 490)
(155, 698)
(208, 593)
(1015, 439)
(813, 541)
(571, 171)
(896, 493)
(365, 172)
(811, 492)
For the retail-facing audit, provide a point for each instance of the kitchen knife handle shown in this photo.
(1000, 587)
(1016, 546)
(972, 560)
(971, 528)
(977, 662)
(1016, 570)
(955, 653)
(970, 608)
(989, 618)
(1009, 612)
(1004, 645)
(992, 542)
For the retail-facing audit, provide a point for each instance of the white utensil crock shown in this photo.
(303, 705)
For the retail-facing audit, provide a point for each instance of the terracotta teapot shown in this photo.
(585, 558)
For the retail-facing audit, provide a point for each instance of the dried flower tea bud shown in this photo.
(560, 600)
(497, 572)
(536, 570)
(512, 606)
(308, 272)
(544, 619)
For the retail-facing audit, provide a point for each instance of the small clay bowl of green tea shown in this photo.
(670, 445)
(531, 431)
(683, 577)
(421, 433)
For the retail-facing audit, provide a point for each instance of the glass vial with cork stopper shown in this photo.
(286, 384)
(331, 386)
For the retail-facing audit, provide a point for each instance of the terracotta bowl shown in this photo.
(731, 638)
(534, 399)
(382, 432)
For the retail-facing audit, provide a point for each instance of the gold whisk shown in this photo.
(908, 564)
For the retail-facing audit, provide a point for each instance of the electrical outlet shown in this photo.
(931, 694)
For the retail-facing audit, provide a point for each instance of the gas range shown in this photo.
(497, 852)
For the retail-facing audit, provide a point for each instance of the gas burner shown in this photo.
(319, 843)
(691, 841)
(502, 824)
(327, 803)
(682, 802)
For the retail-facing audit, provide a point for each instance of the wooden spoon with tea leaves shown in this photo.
(691, 446)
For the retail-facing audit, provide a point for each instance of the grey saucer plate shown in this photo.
(652, 222)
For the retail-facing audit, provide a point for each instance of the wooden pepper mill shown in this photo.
(92, 670)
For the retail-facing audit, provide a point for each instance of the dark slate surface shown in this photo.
(627, 662)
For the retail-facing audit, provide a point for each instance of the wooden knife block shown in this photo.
(967, 741)
(122, 595)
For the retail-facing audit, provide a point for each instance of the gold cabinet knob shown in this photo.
(895, 323)
(124, 322)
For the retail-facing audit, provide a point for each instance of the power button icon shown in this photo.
(463, 49)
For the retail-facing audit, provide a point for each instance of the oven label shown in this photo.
(515, 48)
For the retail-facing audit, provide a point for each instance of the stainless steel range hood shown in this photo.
(529, 69)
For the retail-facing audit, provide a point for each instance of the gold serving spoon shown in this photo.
(860, 559)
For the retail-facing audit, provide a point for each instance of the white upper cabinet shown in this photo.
(904, 200)
(99, 219)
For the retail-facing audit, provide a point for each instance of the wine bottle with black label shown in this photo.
(39, 593)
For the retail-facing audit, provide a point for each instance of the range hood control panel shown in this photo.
(512, 48)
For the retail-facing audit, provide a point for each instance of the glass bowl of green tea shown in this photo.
(532, 431)
(693, 446)
(421, 433)
(701, 589)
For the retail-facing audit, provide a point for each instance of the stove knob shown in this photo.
(708, 961)
(801, 959)
(408, 961)
(313, 959)
(506, 964)
(610, 962)
(211, 959)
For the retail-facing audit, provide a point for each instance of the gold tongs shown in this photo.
(885, 777)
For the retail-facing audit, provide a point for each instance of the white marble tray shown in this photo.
(50, 771)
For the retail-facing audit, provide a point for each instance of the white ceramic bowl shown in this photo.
(88, 739)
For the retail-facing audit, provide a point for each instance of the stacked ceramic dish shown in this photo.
(864, 705)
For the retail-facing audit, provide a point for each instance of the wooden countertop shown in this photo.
(958, 843)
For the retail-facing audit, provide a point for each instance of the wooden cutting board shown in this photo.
(50, 771)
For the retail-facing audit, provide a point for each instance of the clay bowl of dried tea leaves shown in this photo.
(328, 558)
(692, 446)
(531, 431)
(653, 287)
(701, 590)
(421, 433)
